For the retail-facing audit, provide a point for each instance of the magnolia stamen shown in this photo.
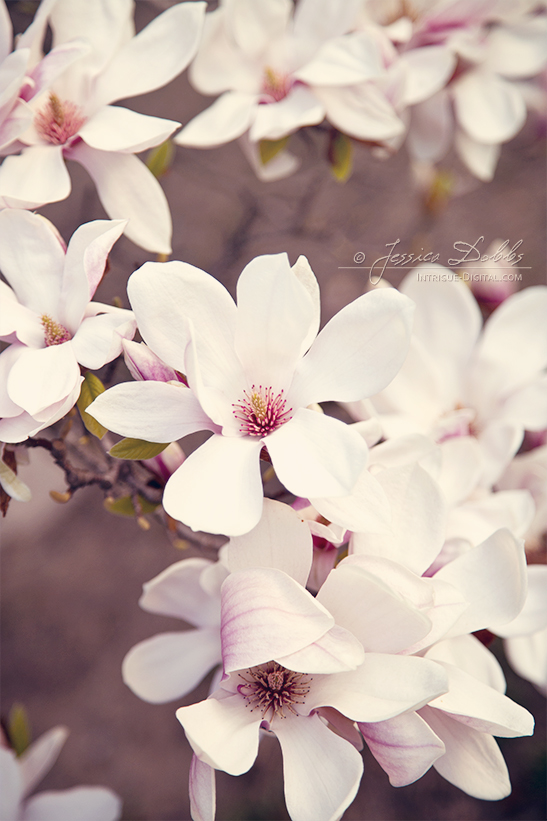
(54, 332)
(273, 687)
(59, 120)
(261, 411)
(275, 86)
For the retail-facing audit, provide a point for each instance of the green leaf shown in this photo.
(340, 156)
(19, 729)
(92, 387)
(137, 449)
(268, 149)
(125, 507)
(159, 159)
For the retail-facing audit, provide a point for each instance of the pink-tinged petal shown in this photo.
(12, 74)
(98, 340)
(82, 803)
(178, 591)
(154, 411)
(358, 352)
(493, 579)
(447, 319)
(382, 687)
(143, 364)
(471, 656)
(280, 540)
(84, 265)
(486, 710)
(10, 795)
(517, 49)
(275, 120)
(114, 128)
(431, 128)
(270, 297)
(202, 791)
(266, 614)
(343, 61)
(489, 109)
(19, 428)
(35, 177)
(527, 655)
(31, 259)
(42, 377)
(225, 120)
(480, 158)
(380, 618)
(6, 31)
(54, 63)
(533, 616)
(170, 665)
(39, 758)
(418, 520)
(222, 732)
(19, 119)
(218, 488)
(164, 295)
(335, 652)
(427, 71)
(361, 111)
(321, 771)
(404, 746)
(128, 190)
(473, 761)
(155, 56)
(19, 322)
(316, 455)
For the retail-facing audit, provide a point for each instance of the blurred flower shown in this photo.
(73, 118)
(51, 324)
(252, 372)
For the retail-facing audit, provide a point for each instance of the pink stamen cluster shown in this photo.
(59, 120)
(274, 86)
(261, 412)
(54, 332)
(273, 687)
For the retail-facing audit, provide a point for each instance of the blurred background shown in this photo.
(72, 574)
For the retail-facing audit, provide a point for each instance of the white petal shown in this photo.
(517, 49)
(202, 791)
(227, 118)
(76, 804)
(35, 177)
(321, 770)
(266, 614)
(281, 539)
(427, 70)
(343, 61)
(99, 338)
(527, 655)
(218, 488)
(10, 796)
(404, 746)
(361, 111)
(431, 128)
(177, 591)
(316, 455)
(489, 108)
(170, 665)
(359, 351)
(154, 411)
(335, 652)
(366, 509)
(222, 732)
(471, 656)
(277, 119)
(114, 128)
(42, 377)
(128, 190)
(479, 157)
(533, 616)
(39, 758)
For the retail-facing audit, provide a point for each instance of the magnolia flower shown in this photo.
(278, 69)
(20, 775)
(252, 371)
(74, 118)
(49, 320)
(461, 379)
(300, 667)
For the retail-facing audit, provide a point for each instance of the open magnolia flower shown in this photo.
(461, 379)
(253, 370)
(74, 118)
(19, 776)
(48, 318)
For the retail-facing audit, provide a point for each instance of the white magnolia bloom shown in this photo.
(299, 666)
(19, 776)
(253, 370)
(74, 117)
(461, 379)
(278, 69)
(50, 320)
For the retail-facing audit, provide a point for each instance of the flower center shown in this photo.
(54, 332)
(59, 120)
(272, 687)
(261, 412)
(274, 86)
